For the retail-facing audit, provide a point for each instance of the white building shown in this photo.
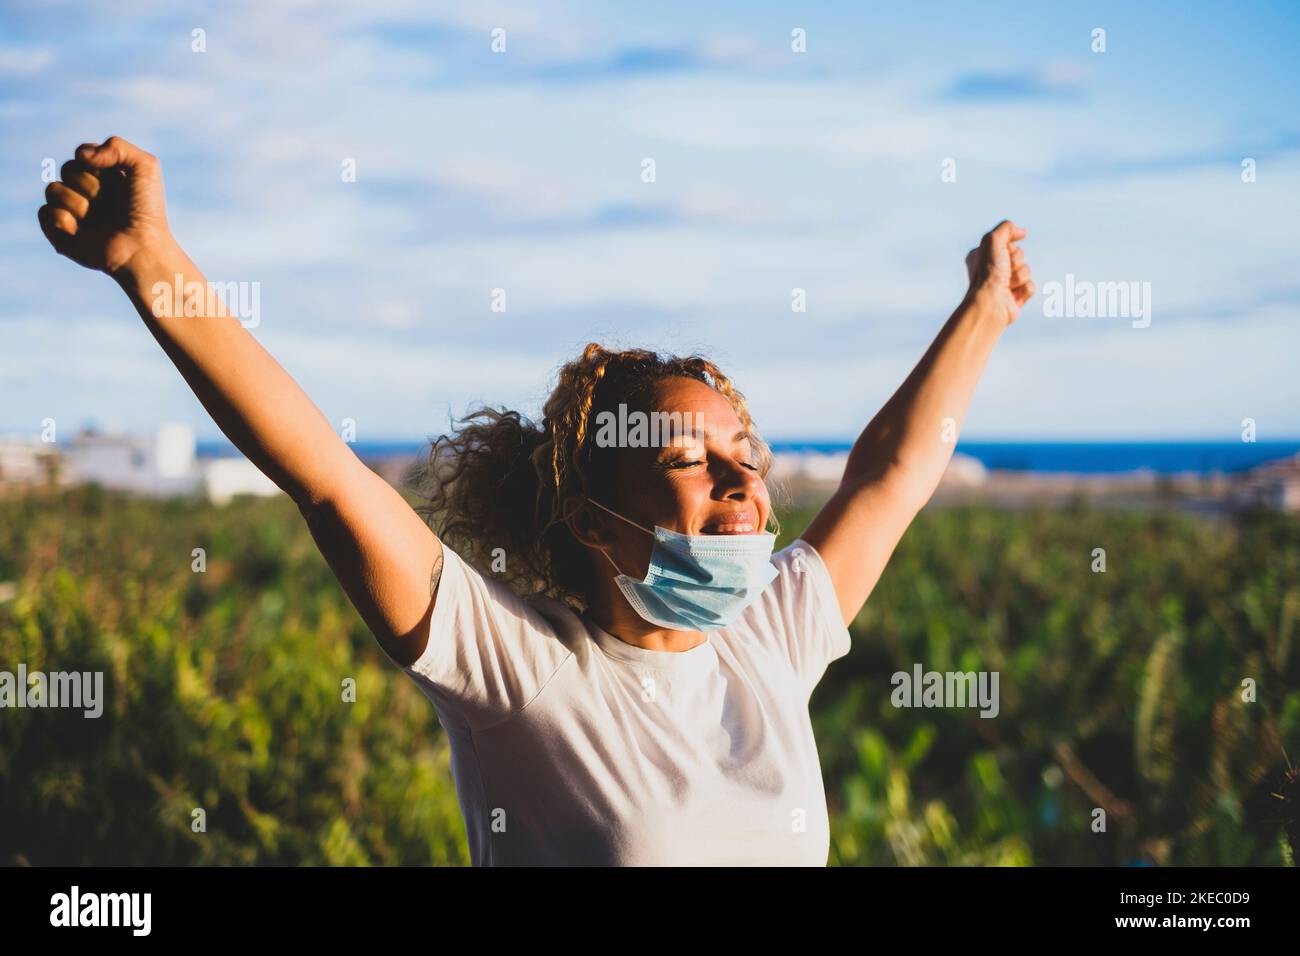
(27, 461)
(964, 471)
(157, 464)
(1275, 484)
(809, 465)
(819, 466)
(164, 463)
(223, 478)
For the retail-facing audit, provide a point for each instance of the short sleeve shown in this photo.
(489, 651)
(801, 613)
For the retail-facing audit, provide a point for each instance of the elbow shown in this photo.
(911, 489)
(321, 492)
(315, 503)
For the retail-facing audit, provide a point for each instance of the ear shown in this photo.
(583, 523)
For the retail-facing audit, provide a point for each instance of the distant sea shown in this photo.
(1173, 457)
(1101, 458)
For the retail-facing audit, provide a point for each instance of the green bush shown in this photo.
(1120, 690)
(224, 692)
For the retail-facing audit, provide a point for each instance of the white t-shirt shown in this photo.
(572, 747)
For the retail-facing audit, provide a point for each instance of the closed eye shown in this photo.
(690, 462)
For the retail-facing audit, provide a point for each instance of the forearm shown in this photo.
(899, 458)
(108, 214)
(911, 440)
(253, 400)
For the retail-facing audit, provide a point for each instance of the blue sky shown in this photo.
(775, 170)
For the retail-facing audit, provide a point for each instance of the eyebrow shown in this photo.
(742, 435)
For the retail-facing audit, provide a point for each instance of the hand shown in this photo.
(108, 208)
(998, 272)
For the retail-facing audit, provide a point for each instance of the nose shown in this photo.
(735, 482)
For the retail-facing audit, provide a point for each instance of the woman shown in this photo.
(622, 665)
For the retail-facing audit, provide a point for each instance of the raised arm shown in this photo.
(898, 460)
(108, 214)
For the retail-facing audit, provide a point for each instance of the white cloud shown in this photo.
(24, 61)
(768, 178)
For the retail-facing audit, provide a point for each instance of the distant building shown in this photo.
(28, 461)
(223, 478)
(828, 467)
(1275, 484)
(965, 471)
(164, 463)
(159, 464)
(809, 465)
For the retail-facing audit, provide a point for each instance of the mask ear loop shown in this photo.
(628, 520)
(619, 516)
(610, 560)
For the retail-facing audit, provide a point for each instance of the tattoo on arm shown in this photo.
(436, 575)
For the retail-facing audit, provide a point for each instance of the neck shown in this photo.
(611, 613)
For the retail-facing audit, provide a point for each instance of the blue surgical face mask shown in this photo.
(698, 582)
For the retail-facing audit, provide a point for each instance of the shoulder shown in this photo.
(488, 649)
(798, 613)
(802, 579)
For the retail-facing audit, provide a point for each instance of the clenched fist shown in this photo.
(998, 272)
(108, 208)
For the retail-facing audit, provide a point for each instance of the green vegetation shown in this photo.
(1120, 690)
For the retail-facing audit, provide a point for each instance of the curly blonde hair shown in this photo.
(501, 481)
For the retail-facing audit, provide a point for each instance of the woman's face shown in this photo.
(703, 480)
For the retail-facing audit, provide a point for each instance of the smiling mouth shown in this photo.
(731, 524)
